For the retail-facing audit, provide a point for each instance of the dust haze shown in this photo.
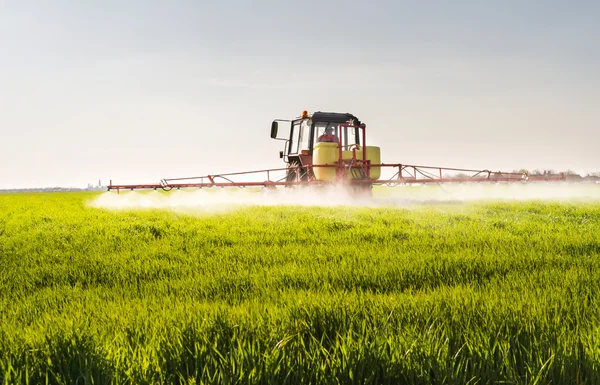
(212, 200)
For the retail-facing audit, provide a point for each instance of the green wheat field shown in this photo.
(451, 293)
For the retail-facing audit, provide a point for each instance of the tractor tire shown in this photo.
(292, 173)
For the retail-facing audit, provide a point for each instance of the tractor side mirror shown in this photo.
(274, 127)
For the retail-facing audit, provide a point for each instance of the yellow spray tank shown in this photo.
(327, 153)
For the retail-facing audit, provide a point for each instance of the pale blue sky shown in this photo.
(140, 90)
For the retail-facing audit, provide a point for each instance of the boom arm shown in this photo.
(403, 174)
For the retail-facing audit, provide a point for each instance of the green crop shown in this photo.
(448, 294)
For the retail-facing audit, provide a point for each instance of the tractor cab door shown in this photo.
(297, 151)
(300, 138)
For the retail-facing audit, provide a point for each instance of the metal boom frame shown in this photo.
(404, 174)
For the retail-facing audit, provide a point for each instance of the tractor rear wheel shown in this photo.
(296, 173)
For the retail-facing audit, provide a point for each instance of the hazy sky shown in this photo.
(141, 90)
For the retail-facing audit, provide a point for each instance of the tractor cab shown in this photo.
(325, 146)
(302, 134)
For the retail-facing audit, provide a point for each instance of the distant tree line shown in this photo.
(570, 175)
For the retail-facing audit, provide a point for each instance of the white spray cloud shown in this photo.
(222, 200)
(226, 199)
(470, 192)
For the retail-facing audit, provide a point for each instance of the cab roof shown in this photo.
(334, 117)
